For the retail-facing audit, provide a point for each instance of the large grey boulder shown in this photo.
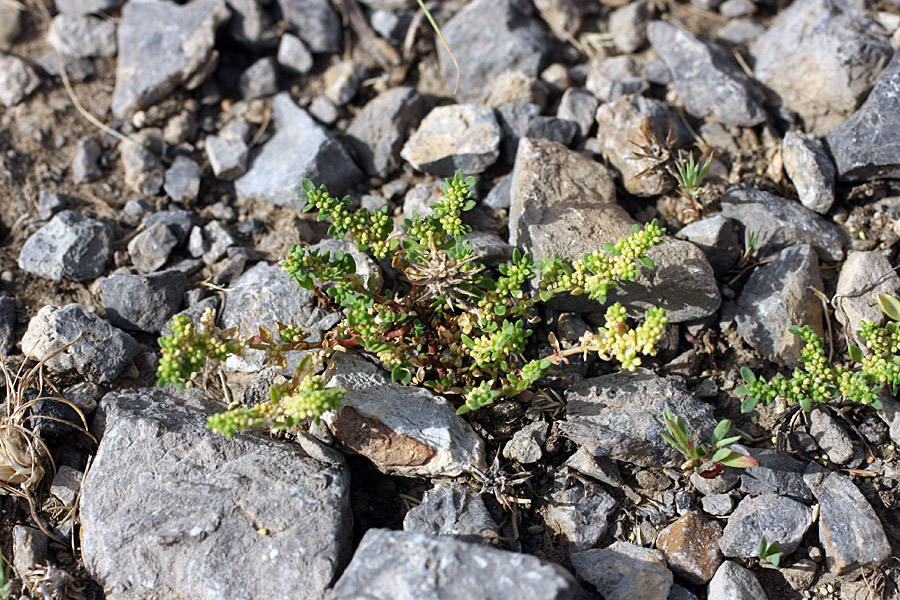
(563, 202)
(71, 246)
(300, 148)
(171, 510)
(400, 565)
(163, 45)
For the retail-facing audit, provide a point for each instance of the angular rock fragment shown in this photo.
(869, 271)
(452, 510)
(17, 80)
(767, 516)
(624, 571)
(83, 36)
(578, 511)
(734, 582)
(810, 168)
(71, 246)
(459, 136)
(315, 22)
(691, 547)
(378, 132)
(142, 302)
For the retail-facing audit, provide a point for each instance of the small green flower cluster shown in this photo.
(820, 381)
(184, 353)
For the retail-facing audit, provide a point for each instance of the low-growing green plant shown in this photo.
(707, 460)
(769, 554)
(860, 381)
(690, 174)
(453, 325)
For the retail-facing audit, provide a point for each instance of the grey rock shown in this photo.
(831, 437)
(400, 565)
(150, 249)
(516, 86)
(250, 23)
(514, 119)
(725, 482)
(490, 249)
(50, 203)
(498, 197)
(182, 182)
(134, 212)
(734, 582)
(84, 164)
(459, 136)
(10, 25)
(300, 148)
(734, 9)
(552, 129)
(216, 242)
(860, 272)
(366, 267)
(323, 110)
(85, 7)
(83, 36)
(849, 529)
(679, 593)
(564, 202)
(66, 485)
(100, 351)
(719, 238)
(782, 223)
(17, 80)
(821, 59)
(84, 395)
(7, 324)
(808, 165)
(179, 222)
(891, 416)
(420, 199)
(341, 81)
(611, 77)
(801, 574)
(315, 22)
(293, 54)
(717, 505)
(777, 473)
(776, 297)
(163, 45)
(490, 37)
(768, 516)
(628, 26)
(390, 24)
(260, 79)
(232, 268)
(71, 246)
(380, 129)
(620, 415)
(705, 78)
(455, 511)
(525, 445)
(144, 171)
(77, 69)
(403, 430)
(194, 312)
(29, 549)
(740, 31)
(620, 129)
(579, 105)
(602, 468)
(861, 146)
(227, 156)
(142, 302)
(624, 571)
(193, 504)
(578, 511)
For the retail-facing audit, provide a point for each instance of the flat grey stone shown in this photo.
(403, 430)
(720, 240)
(579, 105)
(459, 136)
(776, 297)
(621, 415)
(782, 223)
(29, 549)
(740, 31)
(150, 249)
(315, 22)
(514, 119)
(142, 302)
(862, 146)
(260, 79)
(768, 516)
(565, 203)
(525, 445)
(628, 26)
(717, 505)
(227, 156)
(293, 54)
(860, 272)
(84, 164)
(734, 582)
(578, 511)
(341, 81)
(17, 80)
(777, 473)
(7, 324)
(163, 45)
(708, 83)
(251, 23)
(490, 248)
(849, 529)
(611, 77)
(71, 246)
(172, 510)
(380, 129)
(99, 351)
(810, 168)
(144, 172)
(182, 182)
(490, 37)
(400, 565)
(821, 58)
(831, 437)
(624, 571)
(602, 468)
(455, 511)
(83, 36)
(179, 222)
(300, 148)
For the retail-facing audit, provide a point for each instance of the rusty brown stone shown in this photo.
(375, 440)
(691, 546)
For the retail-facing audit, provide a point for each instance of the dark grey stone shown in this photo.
(862, 146)
(611, 77)
(172, 510)
(260, 79)
(578, 511)
(740, 31)
(315, 22)
(458, 136)
(552, 129)
(453, 510)
(51, 418)
(153, 56)
(831, 437)
(620, 415)
(150, 249)
(179, 222)
(400, 565)
(29, 549)
(768, 516)
(77, 69)
(498, 197)
(134, 212)
(734, 582)
(300, 148)
(781, 222)
(251, 23)
(83, 36)
(7, 324)
(490, 37)
(705, 78)
(525, 445)
(624, 571)
(380, 129)
(391, 24)
(777, 473)
(514, 119)
(776, 297)
(71, 246)
(810, 168)
(720, 239)
(579, 105)
(84, 164)
(142, 302)
(140, 158)
(182, 182)
(490, 249)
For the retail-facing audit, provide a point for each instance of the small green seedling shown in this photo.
(751, 244)
(690, 174)
(769, 554)
(708, 461)
(5, 579)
